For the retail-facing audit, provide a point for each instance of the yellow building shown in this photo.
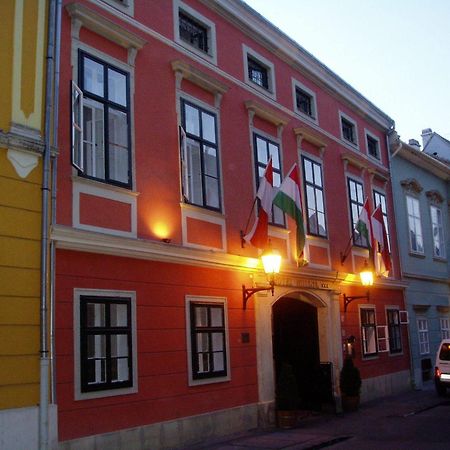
(23, 46)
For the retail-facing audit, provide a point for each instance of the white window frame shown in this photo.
(374, 326)
(314, 117)
(212, 300)
(248, 52)
(382, 339)
(77, 151)
(411, 216)
(440, 227)
(444, 323)
(210, 26)
(423, 336)
(368, 134)
(355, 144)
(78, 293)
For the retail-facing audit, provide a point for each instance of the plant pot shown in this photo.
(350, 402)
(286, 418)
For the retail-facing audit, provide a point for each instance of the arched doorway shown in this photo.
(296, 343)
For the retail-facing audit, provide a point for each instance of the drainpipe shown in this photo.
(46, 163)
(53, 200)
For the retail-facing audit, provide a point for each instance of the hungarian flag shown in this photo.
(258, 235)
(364, 226)
(380, 235)
(289, 201)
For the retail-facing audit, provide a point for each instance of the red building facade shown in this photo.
(169, 111)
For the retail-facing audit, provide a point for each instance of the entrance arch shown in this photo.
(296, 344)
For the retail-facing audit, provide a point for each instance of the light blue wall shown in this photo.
(428, 289)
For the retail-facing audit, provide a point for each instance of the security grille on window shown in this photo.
(193, 32)
(380, 199)
(356, 199)
(372, 147)
(101, 122)
(438, 232)
(200, 158)
(415, 224)
(304, 102)
(368, 331)
(264, 149)
(348, 130)
(105, 343)
(424, 341)
(208, 340)
(257, 73)
(395, 335)
(314, 197)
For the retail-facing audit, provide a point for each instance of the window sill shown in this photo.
(440, 259)
(76, 179)
(417, 255)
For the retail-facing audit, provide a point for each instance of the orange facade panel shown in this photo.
(204, 233)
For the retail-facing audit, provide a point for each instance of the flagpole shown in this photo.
(347, 248)
(243, 233)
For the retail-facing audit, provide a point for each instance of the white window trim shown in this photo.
(76, 329)
(210, 26)
(443, 247)
(314, 117)
(411, 250)
(444, 326)
(355, 144)
(368, 356)
(248, 52)
(205, 299)
(367, 133)
(382, 339)
(427, 334)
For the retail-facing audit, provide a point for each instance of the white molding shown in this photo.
(77, 293)
(205, 299)
(314, 117)
(271, 91)
(22, 161)
(210, 26)
(318, 242)
(125, 6)
(96, 189)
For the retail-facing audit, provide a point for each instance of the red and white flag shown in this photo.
(383, 264)
(258, 235)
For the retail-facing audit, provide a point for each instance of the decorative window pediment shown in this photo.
(266, 113)
(310, 136)
(434, 196)
(412, 185)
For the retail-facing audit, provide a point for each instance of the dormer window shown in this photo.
(193, 32)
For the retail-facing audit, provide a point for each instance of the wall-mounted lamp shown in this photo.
(366, 276)
(271, 260)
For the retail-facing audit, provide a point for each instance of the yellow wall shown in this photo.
(22, 46)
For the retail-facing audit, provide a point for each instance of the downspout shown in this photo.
(44, 354)
(53, 200)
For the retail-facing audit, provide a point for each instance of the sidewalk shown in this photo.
(323, 430)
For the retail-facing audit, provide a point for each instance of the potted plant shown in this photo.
(350, 385)
(287, 397)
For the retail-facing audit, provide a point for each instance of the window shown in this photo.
(438, 232)
(368, 331)
(445, 327)
(257, 73)
(304, 102)
(424, 342)
(395, 335)
(348, 129)
(208, 340)
(126, 6)
(101, 122)
(105, 343)
(415, 225)
(314, 197)
(201, 181)
(380, 199)
(193, 32)
(356, 199)
(373, 146)
(264, 149)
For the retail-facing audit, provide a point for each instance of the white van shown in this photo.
(442, 367)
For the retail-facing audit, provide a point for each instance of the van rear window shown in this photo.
(444, 354)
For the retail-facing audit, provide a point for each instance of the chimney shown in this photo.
(414, 143)
(426, 136)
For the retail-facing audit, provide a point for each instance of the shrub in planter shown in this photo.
(350, 385)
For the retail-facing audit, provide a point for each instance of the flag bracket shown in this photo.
(350, 298)
(248, 292)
